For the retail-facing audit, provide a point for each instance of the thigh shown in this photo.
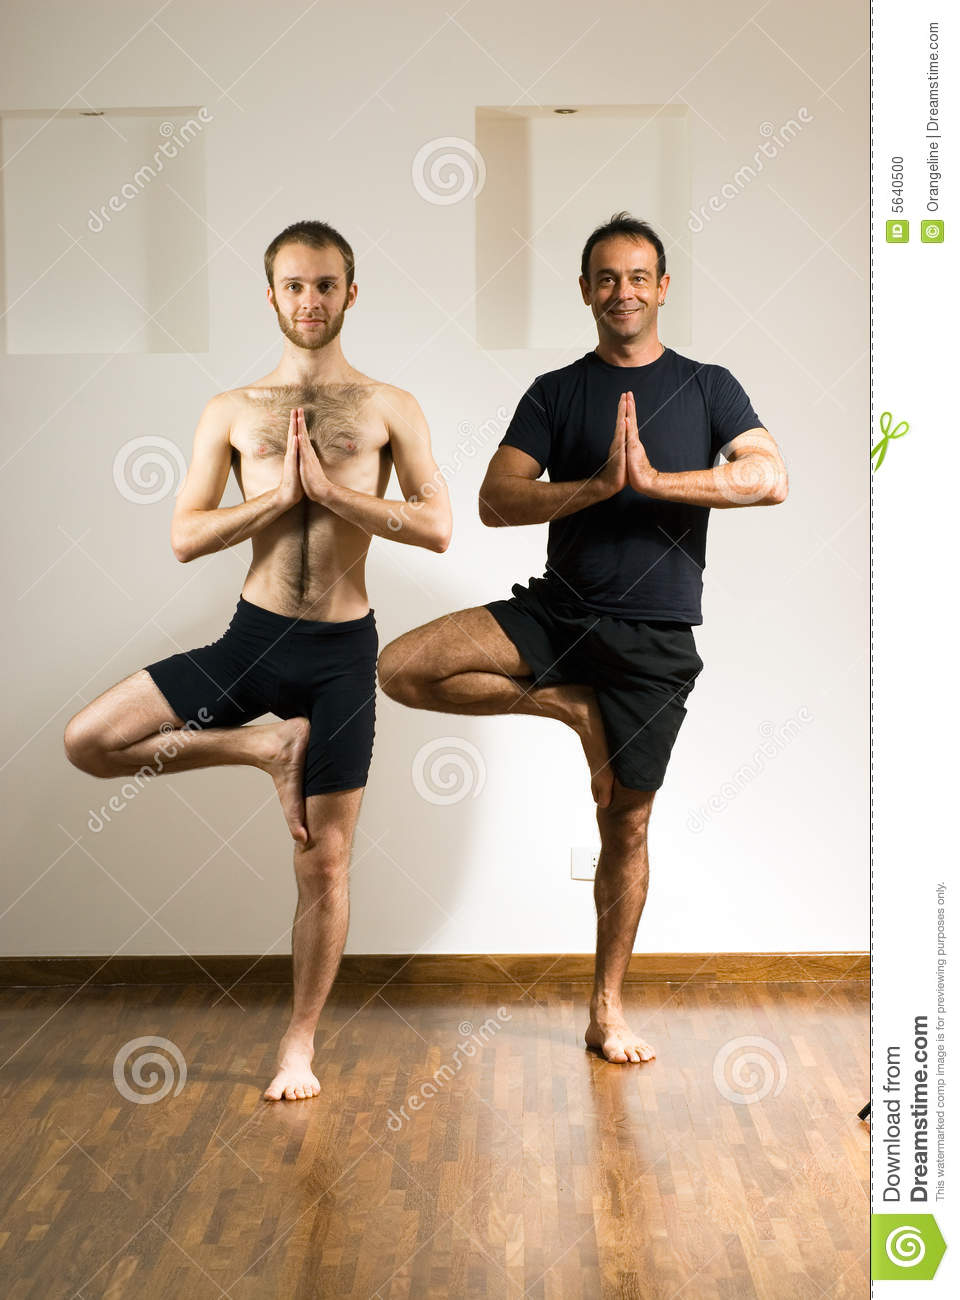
(643, 675)
(625, 816)
(127, 712)
(331, 819)
(224, 684)
(342, 716)
(469, 640)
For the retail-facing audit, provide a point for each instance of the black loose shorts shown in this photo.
(641, 671)
(293, 667)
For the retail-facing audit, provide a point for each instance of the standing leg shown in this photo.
(322, 868)
(620, 891)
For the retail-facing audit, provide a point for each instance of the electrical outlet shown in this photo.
(583, 863)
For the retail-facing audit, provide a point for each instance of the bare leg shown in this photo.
(465, 663)
(131, 729)
(620, 891)
(319, 934)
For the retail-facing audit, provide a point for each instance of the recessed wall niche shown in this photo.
(104, 241)
(551, 177)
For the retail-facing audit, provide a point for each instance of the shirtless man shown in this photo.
(312, 445)
(603, 642)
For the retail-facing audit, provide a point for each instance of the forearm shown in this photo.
(755, 480)
(511, 499)
(202, 532)
(416, 522)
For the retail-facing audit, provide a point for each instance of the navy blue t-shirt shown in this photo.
(630, 556)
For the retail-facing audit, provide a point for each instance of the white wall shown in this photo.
(319, 112)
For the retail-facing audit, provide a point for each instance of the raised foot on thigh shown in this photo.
(294, 1079)
(285, 752)
(581, 711)
(609, 1034)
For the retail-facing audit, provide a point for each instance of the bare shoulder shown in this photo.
(400, 410)
(228, 403)
(218, 417)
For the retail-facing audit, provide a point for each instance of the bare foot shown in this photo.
(610, 1035)
(587, 721)
(294, 1080)
(286, 747)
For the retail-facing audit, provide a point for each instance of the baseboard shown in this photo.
(522, 969)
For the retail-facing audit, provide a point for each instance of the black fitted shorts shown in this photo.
(293, 667)
(642, 672)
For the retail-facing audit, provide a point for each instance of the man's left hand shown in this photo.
(313, 476)
(640, 473)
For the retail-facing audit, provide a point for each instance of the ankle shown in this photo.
(299, 1038)
(266, 744)
(606, 1004)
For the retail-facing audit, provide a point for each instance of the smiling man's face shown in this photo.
(623, 291)
(310, 294)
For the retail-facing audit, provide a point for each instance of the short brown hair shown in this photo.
(315, 234)
(621, 223)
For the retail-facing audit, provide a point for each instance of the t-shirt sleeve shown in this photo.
(530, 427)
(731, 411)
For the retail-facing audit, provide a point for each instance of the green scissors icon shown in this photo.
(886, 420)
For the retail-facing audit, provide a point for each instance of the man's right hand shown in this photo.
(290, 489)
(613, 476)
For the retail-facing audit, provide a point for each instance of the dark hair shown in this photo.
(621, 223)
(315, 234)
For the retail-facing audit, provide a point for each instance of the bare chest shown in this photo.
(342, 423)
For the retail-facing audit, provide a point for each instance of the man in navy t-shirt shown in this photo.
(631, 437)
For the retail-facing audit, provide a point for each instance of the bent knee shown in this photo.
(84, 745)
(397, 672)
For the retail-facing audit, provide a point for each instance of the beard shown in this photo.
(312, 340)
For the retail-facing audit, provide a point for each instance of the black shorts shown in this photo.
(293, 667)
(642, 672)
